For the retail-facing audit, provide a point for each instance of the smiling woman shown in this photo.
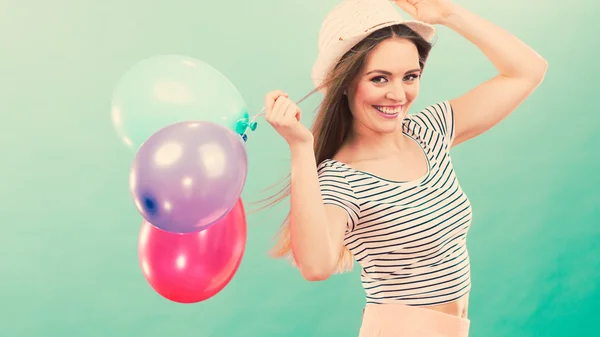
(375, 184)
(376, 96)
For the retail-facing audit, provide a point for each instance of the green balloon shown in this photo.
(167, 89)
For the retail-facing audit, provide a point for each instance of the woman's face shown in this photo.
(383, 91)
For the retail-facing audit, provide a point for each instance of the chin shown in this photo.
(388, 128)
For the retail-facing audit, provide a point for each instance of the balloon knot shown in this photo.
(241, 126)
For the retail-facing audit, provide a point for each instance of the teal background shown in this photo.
(69, 228)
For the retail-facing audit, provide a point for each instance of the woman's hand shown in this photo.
(284, 115)
(428, 11)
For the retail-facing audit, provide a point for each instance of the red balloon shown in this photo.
(193, 267)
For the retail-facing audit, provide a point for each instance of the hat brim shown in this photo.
(325, 61)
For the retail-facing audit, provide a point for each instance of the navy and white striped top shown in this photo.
(408, 237)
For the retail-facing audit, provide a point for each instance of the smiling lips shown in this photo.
(388, 111)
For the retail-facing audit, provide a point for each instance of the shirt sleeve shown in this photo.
(335, 190)
(439, 117)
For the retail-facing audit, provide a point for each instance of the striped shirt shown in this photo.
(409, 237)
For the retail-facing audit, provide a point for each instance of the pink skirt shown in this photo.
(397, 320)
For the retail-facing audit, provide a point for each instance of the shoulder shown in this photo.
(333, 176)
(332, 167)
(434, 116)
(437, 117)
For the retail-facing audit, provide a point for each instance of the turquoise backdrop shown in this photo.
(69, 228)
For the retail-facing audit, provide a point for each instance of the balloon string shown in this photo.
(262, 111)
(252, 124)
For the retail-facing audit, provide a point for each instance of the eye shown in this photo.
(383, 79)
(412, 77)
(374, 79)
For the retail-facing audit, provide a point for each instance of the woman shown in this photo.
(371, 182)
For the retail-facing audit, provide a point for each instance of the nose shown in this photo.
(396, 93)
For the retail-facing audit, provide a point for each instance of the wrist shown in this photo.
(304, 146)
(450, 14)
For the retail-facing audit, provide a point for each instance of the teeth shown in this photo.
(389, 111)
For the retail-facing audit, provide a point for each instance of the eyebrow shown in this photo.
(388, 73)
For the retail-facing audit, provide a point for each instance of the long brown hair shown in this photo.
(333, 121)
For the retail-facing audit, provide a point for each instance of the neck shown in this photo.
(370, 144)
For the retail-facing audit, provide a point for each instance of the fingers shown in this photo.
(270, 99)
(284, 112)
(298, 113)
(407, 7)
(279, 108)
(292, 111)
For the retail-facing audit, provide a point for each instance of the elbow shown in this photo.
(532, 73)
(314, 266)
(538, 72)
(314, 275)
(544, 65)
(542, 70)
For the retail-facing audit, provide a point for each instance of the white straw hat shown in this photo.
(350, 22)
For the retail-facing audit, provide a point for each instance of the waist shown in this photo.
(399, 319)
(458, 307)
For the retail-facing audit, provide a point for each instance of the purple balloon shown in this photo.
(188, 175)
